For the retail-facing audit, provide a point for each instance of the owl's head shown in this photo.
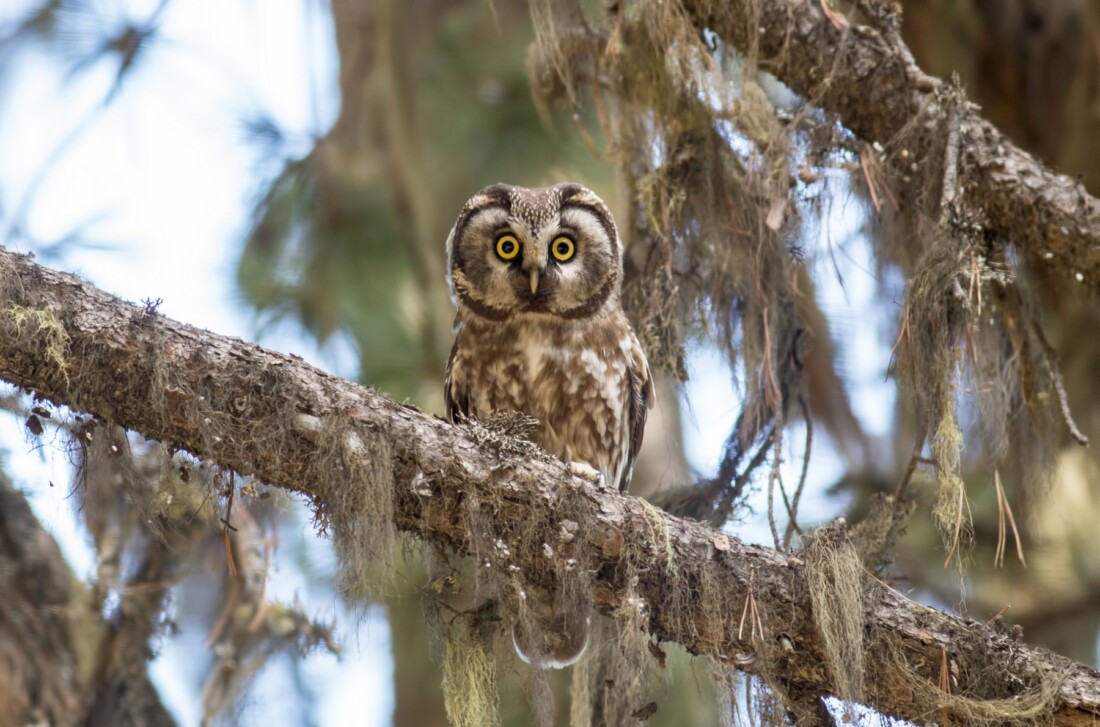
(552, 250)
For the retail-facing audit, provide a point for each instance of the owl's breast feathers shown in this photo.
(586, 382)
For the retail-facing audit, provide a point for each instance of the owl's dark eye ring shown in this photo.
(563, 249)
(507, 247)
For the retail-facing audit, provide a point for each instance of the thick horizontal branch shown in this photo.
(865, 75)
(259, 413)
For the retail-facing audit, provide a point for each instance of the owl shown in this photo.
(536, 275)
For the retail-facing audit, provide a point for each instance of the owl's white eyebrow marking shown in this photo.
(494, 210)
(587, 222)
(481, 220)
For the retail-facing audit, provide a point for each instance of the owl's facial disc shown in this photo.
(510, 256)
(584, 253)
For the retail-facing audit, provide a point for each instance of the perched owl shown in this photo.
(536, 276)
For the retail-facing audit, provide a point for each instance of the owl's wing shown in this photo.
(641, 401)
(456, 394)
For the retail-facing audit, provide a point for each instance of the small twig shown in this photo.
(945, 681)
(1056, 378)
(1003, 510)
(772, 477)
(205, 499)
(786, 507)
(261, 599)
(872, 172)
(893, 199)
(914, 459)
(999, 551)
(737, 485)
(750, 612)
(903, 335)
(745, 612)
(773, 392)
(792, 509)
(226, 528)
(806, 417)
(835, 17)
(971, 345)
(775, 476)
(997, 615)
(757, 622)
(227, 610)
(229, 552)
(884, 584)
(864, 164)
(975, 282)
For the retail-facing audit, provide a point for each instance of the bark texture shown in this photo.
(260, 413)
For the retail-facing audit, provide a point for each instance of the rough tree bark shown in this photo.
(861, 70)
(78, 346)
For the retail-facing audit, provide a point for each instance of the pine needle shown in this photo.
(1004, 512)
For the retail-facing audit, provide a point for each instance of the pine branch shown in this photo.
(222, 399)
(861, 70)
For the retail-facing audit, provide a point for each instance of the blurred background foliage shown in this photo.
(345, 239)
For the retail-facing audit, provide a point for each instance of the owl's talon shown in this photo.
(585, 471)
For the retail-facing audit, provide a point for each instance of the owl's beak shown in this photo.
(534, 280)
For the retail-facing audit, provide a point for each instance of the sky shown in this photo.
(165, 177)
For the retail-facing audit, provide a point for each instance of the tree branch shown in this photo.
(867, 77)
(260, 413)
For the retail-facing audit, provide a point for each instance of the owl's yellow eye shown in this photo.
(562, 248)
(507, 247)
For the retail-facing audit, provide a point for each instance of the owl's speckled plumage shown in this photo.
(549, 339)
(566, 354)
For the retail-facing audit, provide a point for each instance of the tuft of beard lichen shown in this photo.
(469, 679)
(835, 574)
